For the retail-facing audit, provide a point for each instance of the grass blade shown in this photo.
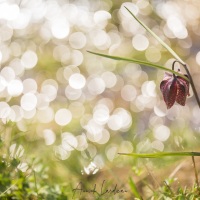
(157, 38)
(160, 154)
(134, 189)
(141, 62)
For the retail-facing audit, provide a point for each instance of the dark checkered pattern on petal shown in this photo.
(182, 90)
(169, 91)
(185, 83)
(174, 88)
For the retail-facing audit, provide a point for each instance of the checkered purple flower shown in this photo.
(174, 89)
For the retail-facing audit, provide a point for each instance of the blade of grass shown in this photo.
(195, 172)
(141, 62)
(160, 154)
(134, 189)
(157, 38)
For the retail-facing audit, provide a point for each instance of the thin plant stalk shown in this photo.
(157, 38)
(160, 154)
(169, 188)
(195, 172)
(35, 182)
(190, 79)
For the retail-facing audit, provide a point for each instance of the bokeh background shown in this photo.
(67, 113)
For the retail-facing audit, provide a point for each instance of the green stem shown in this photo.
(156, 37)
(141, 62)
(195, 172)
(191, 81)
(35, 182)
(160, 155)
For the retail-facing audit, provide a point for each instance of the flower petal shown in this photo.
(182, 91)
(169, 91)
(185, 83)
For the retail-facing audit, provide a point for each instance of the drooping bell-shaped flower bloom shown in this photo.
(174, 88)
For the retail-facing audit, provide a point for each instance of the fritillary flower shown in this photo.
(174, 89)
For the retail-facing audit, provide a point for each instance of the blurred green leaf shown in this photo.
(134, 188)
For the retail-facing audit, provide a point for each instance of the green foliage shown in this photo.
(15, 184)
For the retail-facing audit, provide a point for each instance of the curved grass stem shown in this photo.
(190, 80)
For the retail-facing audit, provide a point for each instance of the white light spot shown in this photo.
(128, 93)
(153, 54)
(77, 40)
(109, 78)
(91, 152)
(158, 145)
(174, 112)
(42, 101)
(105, 137)
(16, 113)
(96, 86)
(49, 136)
(72, 94)
(77, 81)
(3, 83)
(160, 109)
(29, 59)
(77, 57)
(94, 131)
(15, 88)
(46, 115)
(29, 85)
(63, 117)
(101, 114)
(23, 166)
(111, 152)
(17, 66)
(161, 133)
(61, 153)
(115, 122)
(148, 89)
(28, 101)
(29, 114)
(50, 91)
(16, 151)
(177, 27)
(60, 29)
(140, 42)
(131, 6)
(8, 74)
(61, 53)
(101, 17)
(4, 110)
(101, 39)
(126, 147)
(69, 141)
(82, 142)
(90, 169)
(9, 11)
(198, 58)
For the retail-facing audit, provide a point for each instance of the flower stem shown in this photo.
(190, 79)
(195, 172)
